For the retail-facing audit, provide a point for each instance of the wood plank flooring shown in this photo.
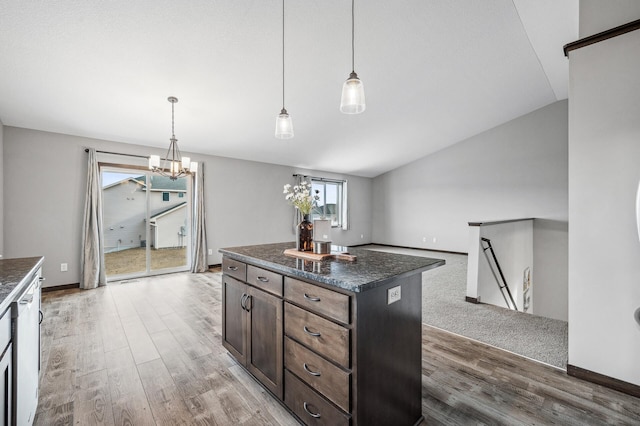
(148, 352)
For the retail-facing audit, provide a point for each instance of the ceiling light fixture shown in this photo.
(174, 165)
(352, 101)
(284, 125)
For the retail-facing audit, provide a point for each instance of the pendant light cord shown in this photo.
(353, 50)
(283, 54)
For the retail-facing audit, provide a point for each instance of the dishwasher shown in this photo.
(26, 314)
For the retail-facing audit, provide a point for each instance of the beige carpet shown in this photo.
(444, 306)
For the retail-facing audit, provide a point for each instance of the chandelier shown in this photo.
(174, 165)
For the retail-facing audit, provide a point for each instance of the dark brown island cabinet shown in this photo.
(337, 342)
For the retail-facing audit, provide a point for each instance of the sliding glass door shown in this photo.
(146, 223)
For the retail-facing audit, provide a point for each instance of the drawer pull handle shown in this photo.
(311, 333)
(314, 415)
(263, 279)
(232, 268)
(306, 368)
(311, 298)
(243, 299)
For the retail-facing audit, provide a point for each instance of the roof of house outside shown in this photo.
(168, 210)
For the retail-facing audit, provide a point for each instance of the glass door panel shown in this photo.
(124, 215)
(169, 223)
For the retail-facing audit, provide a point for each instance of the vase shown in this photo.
(305, 234)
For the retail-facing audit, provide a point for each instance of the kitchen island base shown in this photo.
(351, 353)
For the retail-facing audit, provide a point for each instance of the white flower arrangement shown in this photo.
(300, 197)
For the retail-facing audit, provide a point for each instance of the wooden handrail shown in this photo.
(605, 35)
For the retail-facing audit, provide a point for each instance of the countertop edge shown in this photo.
(297, 273)
(20, 287)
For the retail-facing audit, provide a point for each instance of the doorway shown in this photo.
(146, 221)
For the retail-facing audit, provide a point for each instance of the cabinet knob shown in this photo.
(232, 268)
(263, 279)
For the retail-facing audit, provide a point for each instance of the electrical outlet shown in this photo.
(63, 267)
(361, 236)
(210, 251)
(424, 239)
(393, 295)
(435, 240)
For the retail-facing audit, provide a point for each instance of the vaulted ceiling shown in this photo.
(435, 72)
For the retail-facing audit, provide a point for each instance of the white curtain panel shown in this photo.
(92, 270)
(199, 241)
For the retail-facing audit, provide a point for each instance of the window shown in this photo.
(331, 200)
(165, 196)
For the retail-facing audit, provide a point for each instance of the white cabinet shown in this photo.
(6, 369)
(26, 344)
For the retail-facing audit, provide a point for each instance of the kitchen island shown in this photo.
(337, 341)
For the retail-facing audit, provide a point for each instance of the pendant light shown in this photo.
(352, 101)
(284, 125)
(174, 165)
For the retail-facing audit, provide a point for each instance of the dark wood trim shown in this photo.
(601, 379)
(499, 222)
(60, 287)
(605, 35)
(472, 299)
(412, 248)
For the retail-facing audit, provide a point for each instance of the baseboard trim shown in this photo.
(60, 287)
(606, 381)
(472, 299)
(412, 248)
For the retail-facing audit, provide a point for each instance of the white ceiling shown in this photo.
(435, 72)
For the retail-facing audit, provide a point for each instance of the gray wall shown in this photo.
(516, 170)
(604, 174)
(245, 204)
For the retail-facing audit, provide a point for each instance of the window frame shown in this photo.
(340, 200)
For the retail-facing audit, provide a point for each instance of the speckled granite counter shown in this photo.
(370, 270)
(15, 275)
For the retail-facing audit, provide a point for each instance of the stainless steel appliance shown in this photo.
(26, 314)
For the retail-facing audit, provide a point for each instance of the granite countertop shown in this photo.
(14, 276)
(370, 270)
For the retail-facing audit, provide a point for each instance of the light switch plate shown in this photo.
(393, 295)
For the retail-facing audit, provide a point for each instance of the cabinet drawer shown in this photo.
(325, 302)
(265, 280)
(323, 336)
(234, 268)
(320, 374)
(310, 407)
(5, 330)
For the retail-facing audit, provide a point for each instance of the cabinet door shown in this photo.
(234, 318)
(265, 353)
(6, 387)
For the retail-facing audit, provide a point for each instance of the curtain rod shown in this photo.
(119, 153)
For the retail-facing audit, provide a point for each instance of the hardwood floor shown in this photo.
(148, 352)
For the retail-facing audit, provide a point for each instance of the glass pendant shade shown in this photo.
(284, 125)
(352, 101)
(154, 161)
